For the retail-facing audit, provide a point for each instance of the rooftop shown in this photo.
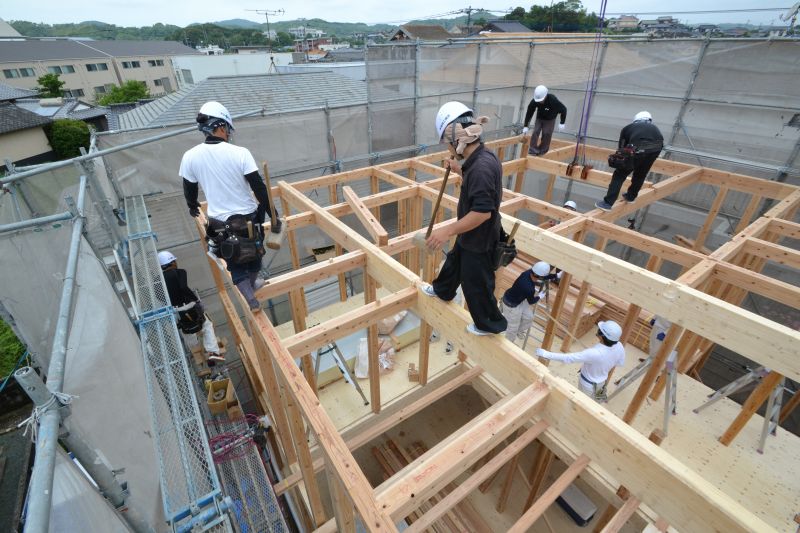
(56, 49)
(14, 118)
(7, 92)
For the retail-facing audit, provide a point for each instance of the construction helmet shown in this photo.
(210, 116)
(541, 269)
(448, 113)
(643, 116)
(539, 93)
(569, 204)
(165, 258)
(610, 330)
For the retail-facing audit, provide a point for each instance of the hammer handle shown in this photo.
(272, 216)
(438, 201)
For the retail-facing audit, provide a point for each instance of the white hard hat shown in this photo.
(539, 93)
(165, 258)
(569, 204)
(447, 114)
(217, 110)
(610, 330)
(643, 116)
(541, 269)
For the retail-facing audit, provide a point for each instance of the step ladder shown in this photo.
(333, 350)
(534, 326)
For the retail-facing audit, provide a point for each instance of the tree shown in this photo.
(50, 86)
(564, 16)
(130, 91)
(284, 39)
(67, 136)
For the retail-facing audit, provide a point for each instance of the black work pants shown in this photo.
(474, 272)
(641, 167)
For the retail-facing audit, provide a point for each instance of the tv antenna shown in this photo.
(267, 13)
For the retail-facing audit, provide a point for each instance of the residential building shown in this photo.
(71, 108)
(22, 136)
(506, 26)
(210, 50)
(192, 69)
(423, 32)
(302, 31)
(89, 68)
(270, 34)
(308, 45)
(624, 22)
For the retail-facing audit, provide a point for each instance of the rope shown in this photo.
(16, 366)
(591, 85)
(32, 422)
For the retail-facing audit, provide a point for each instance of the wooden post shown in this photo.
(299, 321)
(649, 378)
(342, 507)
(334, 199)
(505, 492)
(293, 252)
(751, 405)
(370, 295)
(790, 406)
(544, 458)
(577, 309)
(548, 194)
(306, 463)
(402, 227)
(520, 181)
(755, 201)
(702, 235)
(375, 188)
(425, 329)
(653, 264)
(550, 329)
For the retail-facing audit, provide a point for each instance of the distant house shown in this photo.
(72, 108)
(301, 32)
(22, 137)
(255, 49)
(311, 44)
(210, 50)
(423, 32)
(736, 32)
(707, 28)
(624, 22)
(345, 55)
(465, 31)
(7, 30)
(506, 26)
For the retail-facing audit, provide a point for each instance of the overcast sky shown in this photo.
(184, 12)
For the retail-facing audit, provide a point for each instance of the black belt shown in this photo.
(589, 380)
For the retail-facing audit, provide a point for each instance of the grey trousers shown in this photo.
(545, 128)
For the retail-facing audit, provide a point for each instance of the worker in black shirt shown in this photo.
(471, 261)
(647, 143)
(192, 318)
(529, 286)
(547, 107)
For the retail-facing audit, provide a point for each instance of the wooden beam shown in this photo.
(622, 516)
(304, 457)
(748, 213)
(466, 487)
(342, 508)
(784, 228)
(772, 252)
(427, 475)
(370, 294)
(367, 218)
(328, 268)
(702, 235)
(539, 468)
(644, 243)
(751, 405)
(350, 322)
(748, 184)
(757, 283)
(546, 500)
(788, 407)
(505, 492)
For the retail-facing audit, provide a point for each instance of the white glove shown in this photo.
(558, 276)
(525, 130)
(541, 353)
(185, 307)
(541, 293)
(561, 127)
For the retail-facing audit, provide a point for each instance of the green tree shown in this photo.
(285, 39)
(564, 16)
(130, 91)
(50, 86)
(67, 136)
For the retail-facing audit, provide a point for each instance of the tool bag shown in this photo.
(504, 251)
(191, 320)
(232, 238)
(623, 158)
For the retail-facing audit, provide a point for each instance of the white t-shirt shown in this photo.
(597, 360)
(220, 168)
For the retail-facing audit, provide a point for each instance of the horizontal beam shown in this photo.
(760, 284)
(350, 322)
(428, 474)
(784, 228)
(622, 515)
(311, 274)
(748, 184)
(466, 487)
(773, 252)
(365, 216)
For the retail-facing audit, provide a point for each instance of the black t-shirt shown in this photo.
(645, 136)
(481, 191)
(177, 287)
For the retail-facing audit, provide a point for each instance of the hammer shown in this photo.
(420, 238)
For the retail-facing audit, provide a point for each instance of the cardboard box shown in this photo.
(217, 403)
(235, 412)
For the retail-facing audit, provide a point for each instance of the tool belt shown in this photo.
(504, 251)
(238, 242)
(599, 391)
(191, 321)
(623, 158)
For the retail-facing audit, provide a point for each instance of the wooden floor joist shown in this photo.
(695, 304)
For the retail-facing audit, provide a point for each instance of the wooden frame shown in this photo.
(659, 485)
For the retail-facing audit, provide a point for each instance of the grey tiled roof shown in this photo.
(13, 118)
(425, 32)
(68, 108)
(507, 26)
(240, 94)
(7, 92)
(48, 50)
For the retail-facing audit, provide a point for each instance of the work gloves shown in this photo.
(194, 211)
(540, 294)
(542, 353)
(525, 130)
(561, 127)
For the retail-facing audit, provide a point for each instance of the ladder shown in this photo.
(333, 349)
(546, 288)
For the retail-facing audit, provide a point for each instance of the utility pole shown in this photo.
(267, 13)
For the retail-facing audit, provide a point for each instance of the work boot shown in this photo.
(256, 280)
(246, 288)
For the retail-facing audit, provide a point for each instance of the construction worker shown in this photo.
(227, 174)
(192, 319)
(569, 205)
(471, 261)
(529, 286)
(597, 360)
(547, 107)
(646, 142)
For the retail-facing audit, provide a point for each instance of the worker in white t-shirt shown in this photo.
(597, 360)
(229, 177)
